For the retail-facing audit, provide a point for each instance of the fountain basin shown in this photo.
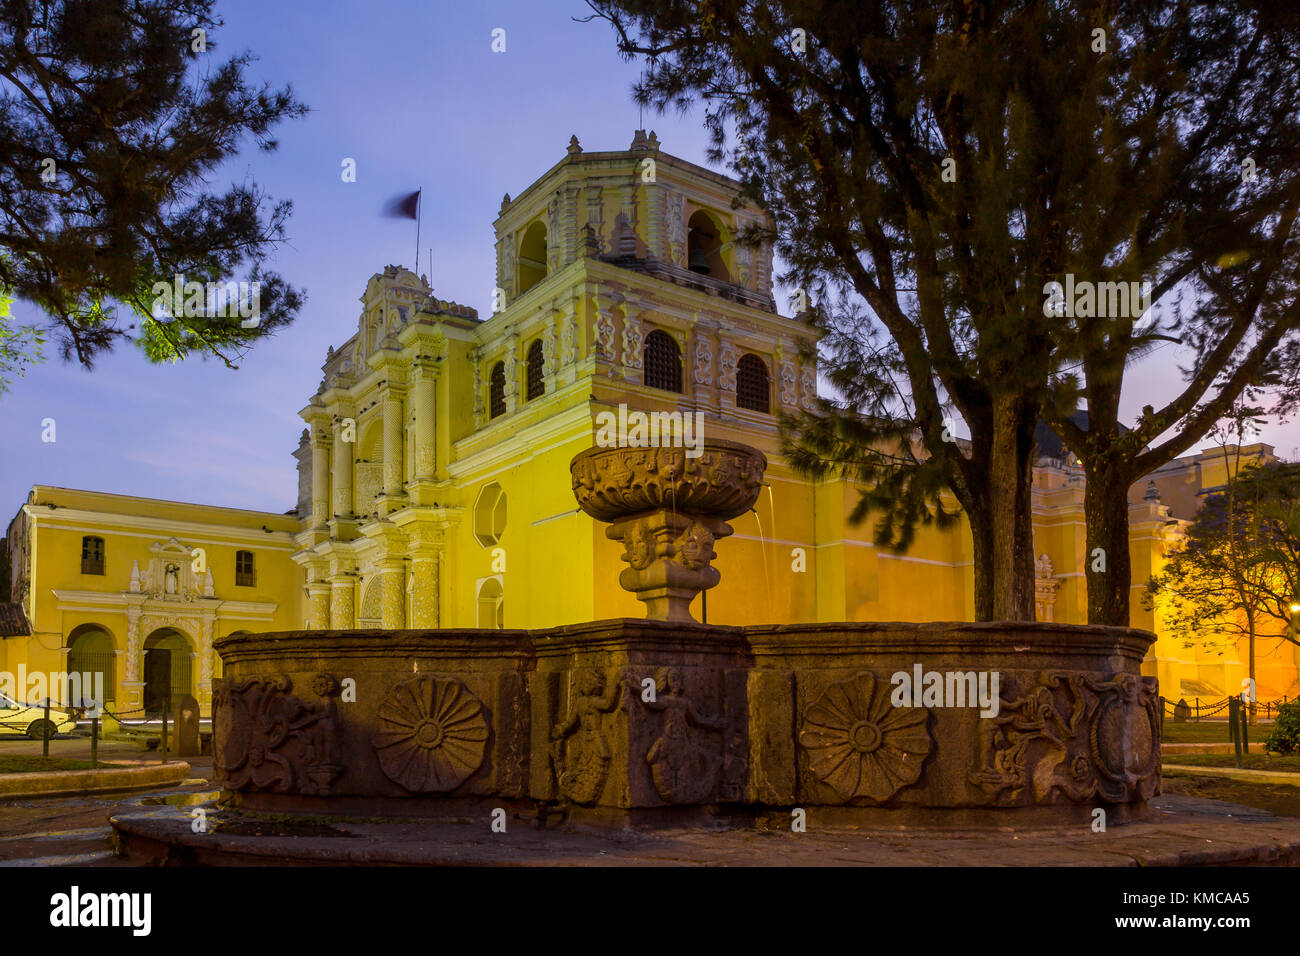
(645, 721)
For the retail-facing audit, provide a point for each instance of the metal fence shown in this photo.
(1217, 708)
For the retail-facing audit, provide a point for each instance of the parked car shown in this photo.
(18, 719)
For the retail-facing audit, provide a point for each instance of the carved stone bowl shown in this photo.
(723, 482)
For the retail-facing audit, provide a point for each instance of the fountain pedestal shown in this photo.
(667, 509)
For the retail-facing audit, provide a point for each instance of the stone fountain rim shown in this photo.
(993, 636)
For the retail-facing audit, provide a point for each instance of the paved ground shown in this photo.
(1198, 819)
(74, 829)
(1182, 831)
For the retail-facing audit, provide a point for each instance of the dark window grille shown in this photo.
(497, 390)
(663, 362)
(92, 555)
(83, 661)
(245, 576)
(752, 388)
(536, 384)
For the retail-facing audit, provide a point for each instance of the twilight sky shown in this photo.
(413, 92)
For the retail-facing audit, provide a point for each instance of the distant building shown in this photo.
(434, 484)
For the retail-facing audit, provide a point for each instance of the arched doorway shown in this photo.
(90, 655)
(168, 669)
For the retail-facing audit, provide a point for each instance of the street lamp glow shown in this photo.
(1295, 608)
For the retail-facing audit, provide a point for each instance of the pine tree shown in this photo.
(113, 116)
(933, 168)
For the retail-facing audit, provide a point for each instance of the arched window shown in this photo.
(90, 655)
(663, 362)
(497, 390)
(536, 384)
(752, 389)
(245, 575)
(491, 605)
(92, 555)
(532, 258)
(704, 246)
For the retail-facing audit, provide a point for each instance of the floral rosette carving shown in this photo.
(860, 745)
(434, 734)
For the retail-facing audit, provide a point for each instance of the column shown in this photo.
(343, 600)
(343, 456)
(422, 399)
(320, 478)
(319, 595)
(393, 584)
(394, 410)
(207, 624)
(132, 685)
(442, 454)
(424, 578)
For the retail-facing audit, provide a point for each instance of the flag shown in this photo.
(403, 207)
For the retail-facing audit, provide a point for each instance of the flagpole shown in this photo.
(419, 210)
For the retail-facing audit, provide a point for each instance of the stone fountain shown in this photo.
(667, 509)
(665, 721)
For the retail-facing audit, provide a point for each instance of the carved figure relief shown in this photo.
(686, 759)
(507, 277)
(1075, 738)
(605, 336)
(548, 351)
(480, 412)
(788, 396)
(703, 361)
(170, 574)
(267, 739)
(727, 360)
(434, 734)
(554, 248)
(694, 547)
(580, 753)
(808, 388)
(676, 223)
(860, 745)
(568, 339)
(633, 341)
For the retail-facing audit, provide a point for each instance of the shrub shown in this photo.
(1285, 738)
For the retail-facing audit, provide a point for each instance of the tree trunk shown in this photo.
(1250, 637)
(1109, 572)
(1009, 551)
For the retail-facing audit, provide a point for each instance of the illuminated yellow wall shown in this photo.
(61, 601)
(403, 458)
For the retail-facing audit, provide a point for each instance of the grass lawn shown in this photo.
(34, 764)
(1209, 732)
(1290, 763)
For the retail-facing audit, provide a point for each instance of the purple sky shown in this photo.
(413, 93)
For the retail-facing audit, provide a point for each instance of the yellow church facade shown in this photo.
(433, 470)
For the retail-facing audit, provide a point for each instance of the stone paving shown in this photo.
(1182, 830)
